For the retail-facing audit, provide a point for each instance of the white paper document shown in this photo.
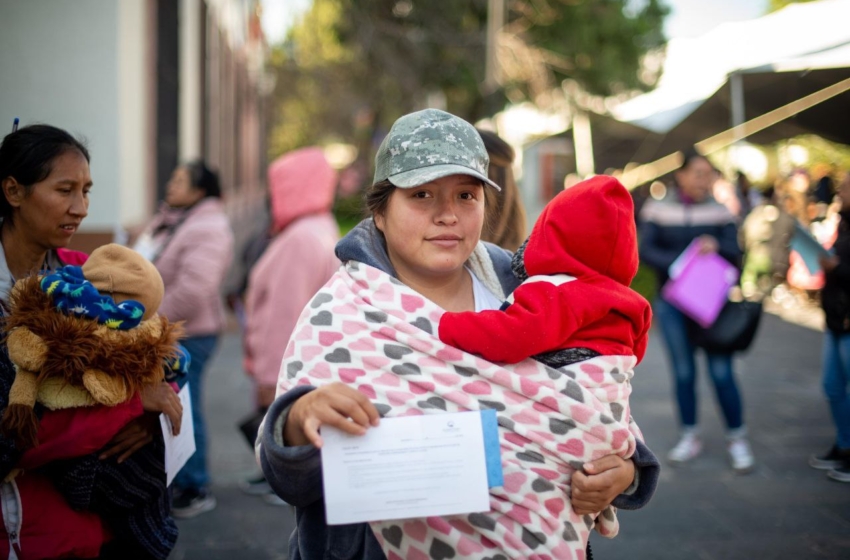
(178, 448)
(414, 466)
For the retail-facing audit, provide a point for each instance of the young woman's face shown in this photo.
(696, 179)
(432, 229)
(180, 191)
(54, 208)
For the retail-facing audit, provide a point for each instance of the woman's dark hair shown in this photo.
(504, 221)
(377, 196)
(27, 155)
(501, 156)
(690, 155)
(204, 178)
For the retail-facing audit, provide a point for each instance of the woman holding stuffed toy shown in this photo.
(688, 212)
(45, 179)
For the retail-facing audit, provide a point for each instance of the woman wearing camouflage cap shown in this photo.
(427, 207)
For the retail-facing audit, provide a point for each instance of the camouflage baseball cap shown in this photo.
(428, 145)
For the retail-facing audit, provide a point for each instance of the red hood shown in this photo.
(588, 228)
(300, 183)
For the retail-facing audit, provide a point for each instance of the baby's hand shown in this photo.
(602, 480)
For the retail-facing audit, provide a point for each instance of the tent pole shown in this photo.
(495, 22)
(647, 172)
(736, 90)
(736, 85)
(583, 142)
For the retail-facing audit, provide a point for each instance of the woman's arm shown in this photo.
(79, 431)
(74, 432)
(651, 252)
(289, 442)
(157, 399)
(728, 246)
(294, 473)
(204, 258)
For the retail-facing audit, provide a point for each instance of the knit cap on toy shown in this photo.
(125, 274)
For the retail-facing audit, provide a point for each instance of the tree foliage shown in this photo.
(352, 66)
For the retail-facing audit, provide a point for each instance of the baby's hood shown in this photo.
(588, 228)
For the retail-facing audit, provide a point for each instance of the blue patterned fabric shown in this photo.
(75, 295)
(176, 368)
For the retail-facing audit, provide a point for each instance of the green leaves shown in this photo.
(351, 67)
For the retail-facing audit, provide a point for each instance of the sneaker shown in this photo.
(841, 474)
(835, 458)
(192, 502)
(274, 500)
(687, 448)
(257, 486)
(741, 455)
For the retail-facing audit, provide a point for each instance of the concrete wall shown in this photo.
(79, 66)
(135, 114)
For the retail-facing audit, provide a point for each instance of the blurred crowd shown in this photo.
(757, 231)
(803, 197)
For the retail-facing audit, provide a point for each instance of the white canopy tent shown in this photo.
(798, 38)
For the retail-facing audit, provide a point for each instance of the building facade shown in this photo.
(148, 84)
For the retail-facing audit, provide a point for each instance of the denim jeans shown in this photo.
(836, 375)
(681, 354)
(194, 474)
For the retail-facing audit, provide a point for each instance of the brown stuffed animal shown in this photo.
(66, 360)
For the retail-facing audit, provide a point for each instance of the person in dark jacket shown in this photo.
(667, 227)
(835, 299)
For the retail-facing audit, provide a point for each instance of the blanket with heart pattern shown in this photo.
(370, 331)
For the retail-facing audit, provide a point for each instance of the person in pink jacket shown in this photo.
(191, 243)
(298, 261)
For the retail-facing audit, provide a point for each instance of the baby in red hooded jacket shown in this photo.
(574, 302)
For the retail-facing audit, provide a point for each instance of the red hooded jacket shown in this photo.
(581, 257)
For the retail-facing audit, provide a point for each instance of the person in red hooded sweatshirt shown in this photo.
(575, 302)
(296, 264)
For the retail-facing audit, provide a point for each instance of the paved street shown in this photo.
(784, 510)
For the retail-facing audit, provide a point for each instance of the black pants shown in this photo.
(118, 549)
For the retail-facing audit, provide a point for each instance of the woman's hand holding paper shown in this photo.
(708, 244)
(336, 405)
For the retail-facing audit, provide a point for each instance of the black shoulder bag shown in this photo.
(732, 331)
